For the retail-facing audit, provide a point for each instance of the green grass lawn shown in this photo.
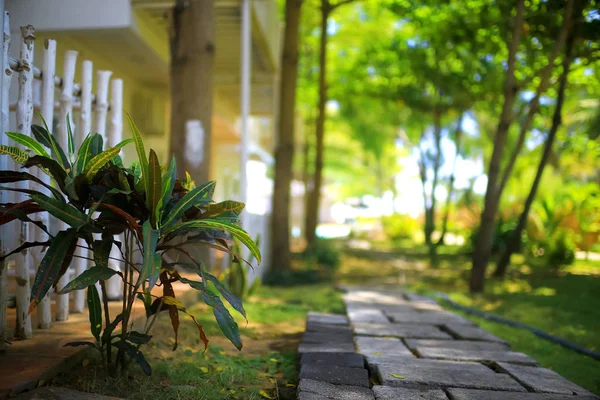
(565, 304)
(266, 368)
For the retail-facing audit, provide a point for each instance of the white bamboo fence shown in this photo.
(41, 90)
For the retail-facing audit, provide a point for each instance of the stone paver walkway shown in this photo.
(401, 346)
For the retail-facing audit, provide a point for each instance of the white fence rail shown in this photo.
(41, 90)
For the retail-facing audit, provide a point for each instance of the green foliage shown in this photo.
(98, 195)
(555, 251)
(325, 254)
(399, 227)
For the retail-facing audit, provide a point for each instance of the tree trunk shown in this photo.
(314, 196)
(437, 135)
(457, 142)
(192, 45)
(541, 89)
(492, 197)
(284, 153)
(514, 241)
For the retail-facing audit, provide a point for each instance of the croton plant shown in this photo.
(98, 199)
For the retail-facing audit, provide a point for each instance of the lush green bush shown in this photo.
(503, 231)
(325, 254)
(96, 197)
(399, 227)
(555, 251)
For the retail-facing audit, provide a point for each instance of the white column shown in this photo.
(245, 98)
(103, 79)
(5, 86)
(83, 128)
(115, 135)
(24, 115)
(44, 311)
(66, 107)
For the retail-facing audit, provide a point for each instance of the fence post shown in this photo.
(85, 126)
(6, 74)
(113, 285)
(44, 311)
(102, 103)
(24, 116)
(66, 108)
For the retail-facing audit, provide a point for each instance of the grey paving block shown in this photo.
(337, 392)
(428, 318)
(472, 394)
(378, 346)
(326, 348)
(352, 360)
(401, 331)
(335, 375)
(471, 333)
(324, 318)
(475, 355)
(542, 380)
(419, 298)
(445, 374)
(374, 296)
(374, 361)
(326, 337)
(367, 315)
(394, 393)
(310, 396)
(331, 328)
(456, 344)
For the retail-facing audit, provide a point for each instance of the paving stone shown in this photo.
(374, 361)
(456, 344)
(373, 296)
(445, 374)
(58, 393)
(472, 394)
(324, 318)
(428, 318)
(471, 333)
(352, 360)
(322, 326)
(326, 337)
(326, 348)
(311, 396)
(399, 330)
(337, 392)
(475, 355)
(367, 315)
(542, 380)
(378, 346)
(393, 393)
(335, 375)
(419, 298)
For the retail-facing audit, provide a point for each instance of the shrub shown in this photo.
(398, 227)
(555, 251)
(324, 253)
(96, 197)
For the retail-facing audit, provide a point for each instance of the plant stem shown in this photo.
(107, 319)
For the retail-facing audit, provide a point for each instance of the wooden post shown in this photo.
(66, 108)
(24, 116)
(115, 135)
(113, 285)
(102, 103)
(85, 125)
(44, 311)
(6, 74)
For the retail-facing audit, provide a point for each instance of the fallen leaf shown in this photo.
(397, 376)
(204, 369)
(265, 394)
(86, 362)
